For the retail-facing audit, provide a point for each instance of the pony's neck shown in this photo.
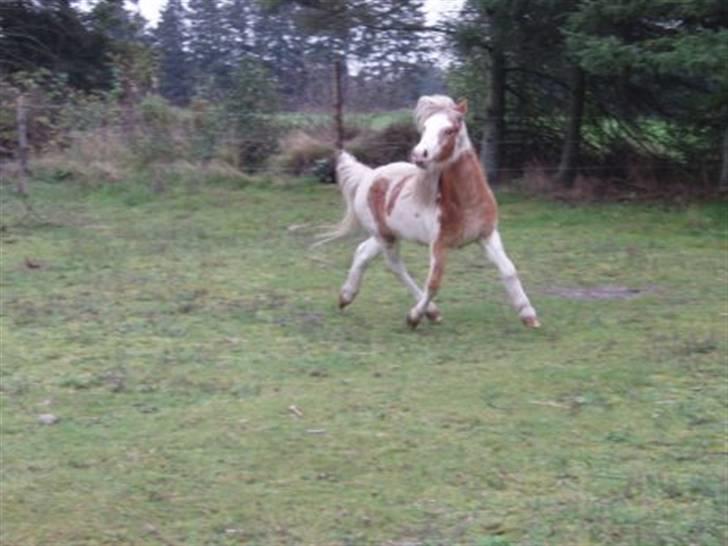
(463, 177)
(462, 146)
(463, 163)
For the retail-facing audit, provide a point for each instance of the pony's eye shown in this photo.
(451, 131)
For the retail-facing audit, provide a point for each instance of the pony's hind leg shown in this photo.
(396, 265)
(494, 250)
(365, 253)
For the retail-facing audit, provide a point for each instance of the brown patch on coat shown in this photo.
(450, 140)
(437, 270)
(395, 194)
(468, 210)
(377, 204)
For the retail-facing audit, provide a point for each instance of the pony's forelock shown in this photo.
(430, 105)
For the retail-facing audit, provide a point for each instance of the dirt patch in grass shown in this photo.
(603, 292)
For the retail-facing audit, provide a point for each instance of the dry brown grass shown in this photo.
(393, 143)
(300, 151)
(642, 181)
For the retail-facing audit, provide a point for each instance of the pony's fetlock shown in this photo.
(433, 314)
(345, 298)
(413, 319)
(531, 321)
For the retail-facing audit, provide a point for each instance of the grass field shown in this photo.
(208, 391)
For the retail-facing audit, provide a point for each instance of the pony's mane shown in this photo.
(429, 105)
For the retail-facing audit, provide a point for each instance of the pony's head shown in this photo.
(440, 122)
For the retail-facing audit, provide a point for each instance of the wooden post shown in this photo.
(22, 121)
(338, 105)
(723, 182)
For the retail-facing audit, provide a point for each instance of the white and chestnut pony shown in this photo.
(441, 199)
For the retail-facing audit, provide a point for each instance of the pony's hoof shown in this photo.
(344, 301)
(531, 322)
(434, 317)
(413, 320)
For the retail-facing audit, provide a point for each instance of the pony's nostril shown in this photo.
(424, 154)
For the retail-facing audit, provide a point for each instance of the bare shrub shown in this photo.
(303, 152)
(393, 143)
(300, 152)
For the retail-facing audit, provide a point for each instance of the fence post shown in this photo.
(338, 106)
(723, 182)
(22, 126)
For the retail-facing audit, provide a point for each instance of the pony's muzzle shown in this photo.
(419, 157)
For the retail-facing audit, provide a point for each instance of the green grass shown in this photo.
(172, 332)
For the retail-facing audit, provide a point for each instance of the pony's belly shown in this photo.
(419, 226)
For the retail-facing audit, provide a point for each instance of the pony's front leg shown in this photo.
(365, 253)
(396, 265)
(493, 247)
(438, 256)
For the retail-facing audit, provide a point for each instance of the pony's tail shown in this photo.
(349, 172)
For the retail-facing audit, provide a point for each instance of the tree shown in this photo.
(667, 57)
(113, 20)
(207, 44)
(250, 104)
(240, 16)
(625, 64)
(282, 47)
(572, 141)
(510, 42)
(174, 72)
(379, 36)
(53, 36)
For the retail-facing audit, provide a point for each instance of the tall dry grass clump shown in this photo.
(311, 151)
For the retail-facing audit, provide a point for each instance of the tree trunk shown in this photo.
(723, 184)
(491, 147)
(570, 152)
(338, 105)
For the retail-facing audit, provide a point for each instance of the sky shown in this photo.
(436, 9)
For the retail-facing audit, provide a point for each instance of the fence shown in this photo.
(292, 143)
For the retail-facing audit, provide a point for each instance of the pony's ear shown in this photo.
(462, 106)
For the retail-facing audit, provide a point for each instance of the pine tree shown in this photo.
(207, 45)
(111, 18)
(53, 35)
(240, 17)
(282, 47)
(662, 60)
(174, 67)
(379, 35)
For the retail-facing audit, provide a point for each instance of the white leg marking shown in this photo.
(396, 265)
(434, 278)
(365, 253)
(494, 250)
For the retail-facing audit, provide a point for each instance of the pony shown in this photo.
(441, 199)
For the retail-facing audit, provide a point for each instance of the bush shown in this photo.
(393, 143)
(250, 108)
(301, 153)
(311, 151)
(153, 140)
